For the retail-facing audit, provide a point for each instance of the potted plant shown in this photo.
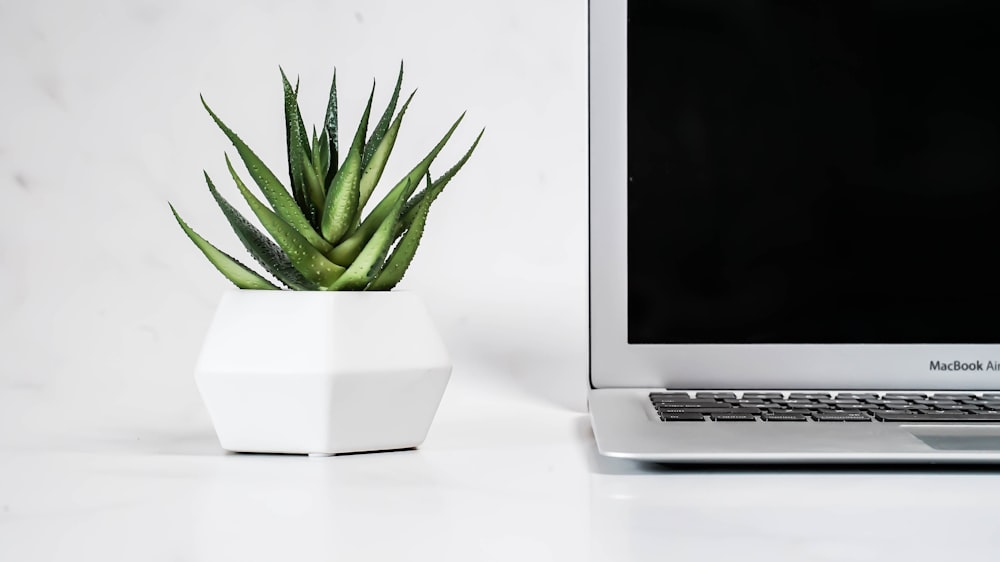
(337, 362)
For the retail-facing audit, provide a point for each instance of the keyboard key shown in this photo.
(682, 417)
(734, 411)
(795, 395)
(857, 395)
(772, 406)
(950, 407)
(715, 395)
(953, 396)
(689, 404)
(655, 395)
(664, 398)
(905, 395)
(815, 406)
(783, 417)
(732, 417)
(707, 410)
(775, 395)
(934, 402)
(745, 401)
(841, 417)
(681, 399)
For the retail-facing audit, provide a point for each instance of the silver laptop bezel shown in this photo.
(617, 364)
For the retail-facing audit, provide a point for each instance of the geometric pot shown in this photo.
(321, 372)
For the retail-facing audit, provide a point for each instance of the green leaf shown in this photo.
(342, 199)
(282, 203)
(411, 225)
(298, 151)
(309, 261)
(410, 210)
(383, 122)
(369, 262)
(314, 185)
(347, 250)
(397, 264)
(330, 126)
(315, 151)
(323, 165)
(380, 155)
(241, 276)
(264, 251)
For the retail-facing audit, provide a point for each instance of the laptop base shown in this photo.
(626, 425)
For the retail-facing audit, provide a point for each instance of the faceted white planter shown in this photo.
(321, 373)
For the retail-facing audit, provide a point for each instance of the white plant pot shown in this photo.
(321, 373)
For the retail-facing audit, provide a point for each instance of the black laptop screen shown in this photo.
(814, 172)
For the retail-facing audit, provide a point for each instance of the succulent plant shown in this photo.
(320, 238)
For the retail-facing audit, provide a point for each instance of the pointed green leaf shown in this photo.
(282, 203)
(380, 155)
(310, 262)
(347, 250)
(320, 166)
(263, 250)
(395, 267)
(314, 188)
(298, 152)
(411, 225)
(410, 211)
(383, 122)
(315, 151)
(241, 276)
(323, 165)
(342, 200)
(330, 125)
(369, 262)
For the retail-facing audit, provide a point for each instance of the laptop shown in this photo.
(795, 230)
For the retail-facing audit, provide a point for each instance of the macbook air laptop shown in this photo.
(795, 230)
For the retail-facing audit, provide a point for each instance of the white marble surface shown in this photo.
(500, 478)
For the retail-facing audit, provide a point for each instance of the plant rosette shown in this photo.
(338, 362)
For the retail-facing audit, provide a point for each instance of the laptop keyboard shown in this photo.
(908, 407)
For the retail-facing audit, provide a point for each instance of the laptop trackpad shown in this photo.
(945, 438)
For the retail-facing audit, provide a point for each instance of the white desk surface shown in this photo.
(502, 476)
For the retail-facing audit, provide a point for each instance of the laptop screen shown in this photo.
(813, 172)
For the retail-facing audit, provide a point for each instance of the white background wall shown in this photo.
(103, 301)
